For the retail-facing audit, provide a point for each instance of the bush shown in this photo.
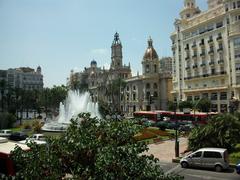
(6, 120)
(27, 125)
(91, 149)
(234, 157)
(36, 126)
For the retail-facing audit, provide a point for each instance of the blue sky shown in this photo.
(60, 35)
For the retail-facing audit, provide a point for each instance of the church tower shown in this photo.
(150, 62)
(116, 53)
(189, 9)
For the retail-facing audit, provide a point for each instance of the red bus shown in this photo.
(7, 166)
(195, 118)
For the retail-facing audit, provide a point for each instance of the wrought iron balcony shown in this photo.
(211, 63)
(210, 41)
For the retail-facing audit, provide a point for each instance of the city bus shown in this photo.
(7, 166)
(195, 118)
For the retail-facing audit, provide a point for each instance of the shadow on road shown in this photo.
(229, 170)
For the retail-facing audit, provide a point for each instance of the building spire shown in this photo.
(116, 39)
(150, 42)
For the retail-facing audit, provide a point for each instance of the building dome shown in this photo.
(93, 62)
(150, 53)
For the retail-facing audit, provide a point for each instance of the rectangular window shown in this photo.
(212, 154)
(196, 98)
(201, 30)
(205, 95)
(219, 24)
(237, 67)
(213, 96)
(189, 98)
(237, 42)
(238, 4)
(210, 27)
(214, 108)
(223, 96)
(237, 53)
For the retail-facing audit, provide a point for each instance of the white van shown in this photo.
(216, 158)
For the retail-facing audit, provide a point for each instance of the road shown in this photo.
(199, 174)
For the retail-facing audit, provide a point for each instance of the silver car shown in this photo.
(216, 158)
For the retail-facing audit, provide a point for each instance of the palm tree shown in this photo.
(221, 131)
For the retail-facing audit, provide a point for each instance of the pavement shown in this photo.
(165, 150)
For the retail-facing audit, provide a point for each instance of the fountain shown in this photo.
(75, 103)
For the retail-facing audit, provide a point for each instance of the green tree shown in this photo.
(3, 86)
(221, 131)
(185, 104)
(91, 149)
(203, 105)
(114, 92)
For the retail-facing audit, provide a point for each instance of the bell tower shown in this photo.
(189, 10)
(116, 52)
(150, 62)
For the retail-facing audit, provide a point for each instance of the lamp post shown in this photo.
(176, 131)
(194, 110)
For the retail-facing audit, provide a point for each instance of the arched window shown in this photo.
(155, 68)
(147, 70)
(155, 86)
(147, 86)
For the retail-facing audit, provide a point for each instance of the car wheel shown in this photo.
(184, 164)
(218, 168)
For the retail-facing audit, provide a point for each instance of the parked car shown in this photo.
(186, 127)
(238, 167)
(18, 136)
(216, 158)
(38, 137)
(5, 132)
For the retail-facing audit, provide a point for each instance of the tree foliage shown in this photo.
(221, 131)
(185, 104)
(91, 149)
(203, 105)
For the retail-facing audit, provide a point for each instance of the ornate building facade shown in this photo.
(119, 89)
(206, 53)
(23, 77)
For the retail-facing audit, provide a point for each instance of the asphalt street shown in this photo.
(199, 174)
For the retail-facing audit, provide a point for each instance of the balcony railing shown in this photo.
(205, 75)
(194, 46)
(221, 61)
(211, 51)
(195, 66)
(194, 56)
(202, 54)
(219, 38)
(203, 65)
(210, 41)
(220, 49)
(201, 44)
(211, 63)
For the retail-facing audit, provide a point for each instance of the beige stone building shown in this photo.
(206, 53)
(148, 91)
(151, 90)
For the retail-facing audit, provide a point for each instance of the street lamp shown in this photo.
(194, 110)
(176, 131)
